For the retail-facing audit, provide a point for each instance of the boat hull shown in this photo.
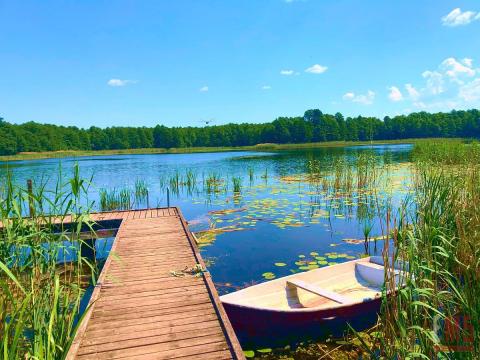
(269, 327)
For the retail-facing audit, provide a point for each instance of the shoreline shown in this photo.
(151, 151)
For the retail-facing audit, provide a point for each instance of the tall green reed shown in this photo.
(437, 234)
(40, 298)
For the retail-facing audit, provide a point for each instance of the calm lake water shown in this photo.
(281, 221)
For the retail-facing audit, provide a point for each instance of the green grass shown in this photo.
(259, 147)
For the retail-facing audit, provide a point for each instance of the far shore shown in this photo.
(259, 147)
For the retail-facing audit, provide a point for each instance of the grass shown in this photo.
(39, 297)
(258, 147)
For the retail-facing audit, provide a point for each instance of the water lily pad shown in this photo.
(249, 354)
(332, 263)
(320, 258)
(304, 268)
(301, 256)
(264, 351)
(268, 275)
(313, 253)
(280, 264)
(323, 262)
(300, 263)
(332, 256)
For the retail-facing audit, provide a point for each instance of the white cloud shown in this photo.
(454, 68)
(456, 17)
(412, 92)
(266, 87)
(119, 82)
(316, 69)
(286, 72)
(365, 99)
(204, 89)
(470, 92)
(468, 61)
(395, 94)
(454, 84)
(434, 82)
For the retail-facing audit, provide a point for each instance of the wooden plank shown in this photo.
(181, 347)
(139, 310)
(136, 335)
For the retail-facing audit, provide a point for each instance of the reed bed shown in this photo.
(437, 313)
(116, 199)
(40, 298)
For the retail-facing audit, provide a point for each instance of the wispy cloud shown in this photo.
(120, 82)
(365, 99)
(203, 89)
(316, 69)
(457, 17)
(412, 92)
(287, 72)
(266, 87)
(395, 94)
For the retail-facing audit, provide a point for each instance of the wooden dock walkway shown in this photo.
(139, 310)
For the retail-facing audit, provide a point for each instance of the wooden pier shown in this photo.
(139, 310)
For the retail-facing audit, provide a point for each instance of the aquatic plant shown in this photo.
(251, 175)
(141, 191)
(115, 199)
(437, 312)
(40, 297)
(237, 184)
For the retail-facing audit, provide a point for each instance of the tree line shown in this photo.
(314, 126)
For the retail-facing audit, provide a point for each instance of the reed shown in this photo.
(40, 297)
(237, 185)
(141, 191)
(438, 235)
(115, 199)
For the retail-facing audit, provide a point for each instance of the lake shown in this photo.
(257, 215)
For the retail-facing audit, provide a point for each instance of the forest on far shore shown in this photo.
(313, 126)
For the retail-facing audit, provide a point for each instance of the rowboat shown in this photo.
(311, 304)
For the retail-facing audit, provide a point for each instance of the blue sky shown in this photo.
(139, 63)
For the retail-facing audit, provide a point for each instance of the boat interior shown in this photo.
(334, 286)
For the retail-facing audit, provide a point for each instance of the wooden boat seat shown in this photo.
(319, 291)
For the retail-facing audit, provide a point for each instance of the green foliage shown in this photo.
(314, 126)
(440, 241)
(39, 298)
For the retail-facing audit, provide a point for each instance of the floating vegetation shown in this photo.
(268, 275)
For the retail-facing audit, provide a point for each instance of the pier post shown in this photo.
(31, 206)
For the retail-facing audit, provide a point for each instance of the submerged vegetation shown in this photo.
(40, 296)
